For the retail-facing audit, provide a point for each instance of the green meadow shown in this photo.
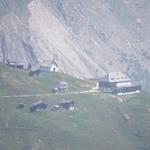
(100, 121)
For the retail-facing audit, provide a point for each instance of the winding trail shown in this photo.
(50, 94)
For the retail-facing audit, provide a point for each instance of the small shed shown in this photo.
(62, 86)
(44, 68)
(38, 106)
(12, 64)
(34, 72)
(20, 105)
(67, 104)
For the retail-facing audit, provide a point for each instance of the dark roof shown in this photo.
(54, 63)
(66, 102)
(37, 105)
(20, 105)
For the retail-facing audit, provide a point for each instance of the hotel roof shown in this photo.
(115, 77)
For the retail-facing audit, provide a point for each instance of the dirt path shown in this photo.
(50, 94)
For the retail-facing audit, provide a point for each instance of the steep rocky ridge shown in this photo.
(89, 37)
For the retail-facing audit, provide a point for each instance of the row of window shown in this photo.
(118, 78)
(127, 89)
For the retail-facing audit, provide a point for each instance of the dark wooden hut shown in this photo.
(37, 106)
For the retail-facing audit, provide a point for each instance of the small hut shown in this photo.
(37, 106)
(20, 105)
(67, 104)
(44, 68)
(35, 72)
(62, 86)
(18, 65)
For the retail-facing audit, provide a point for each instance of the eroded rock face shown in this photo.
(88, 37)
(51, 37)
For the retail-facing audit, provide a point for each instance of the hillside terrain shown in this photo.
(99, 121)
(88, 38)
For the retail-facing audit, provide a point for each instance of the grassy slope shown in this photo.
(14, 81)
(97, 122)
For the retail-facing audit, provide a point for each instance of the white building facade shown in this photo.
(118, 83)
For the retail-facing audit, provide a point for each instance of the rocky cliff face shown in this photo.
(89, 37)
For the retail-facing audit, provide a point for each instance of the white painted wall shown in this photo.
(123, 84)
(54, 67)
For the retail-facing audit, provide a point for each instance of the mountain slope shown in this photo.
(99, 120)
(89, 38)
